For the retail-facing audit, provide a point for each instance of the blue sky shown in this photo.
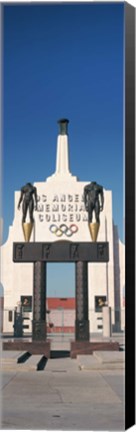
(63, 60)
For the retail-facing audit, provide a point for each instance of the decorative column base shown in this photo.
(27, 230)
(94, 229)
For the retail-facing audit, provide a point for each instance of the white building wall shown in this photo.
(17, 279)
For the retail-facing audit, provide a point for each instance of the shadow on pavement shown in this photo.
(54, 354)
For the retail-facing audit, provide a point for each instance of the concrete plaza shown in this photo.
(86, 393)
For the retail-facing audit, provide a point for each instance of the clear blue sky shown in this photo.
(63, 60)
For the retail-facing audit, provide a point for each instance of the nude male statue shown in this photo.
(27, 193)
(94, 200)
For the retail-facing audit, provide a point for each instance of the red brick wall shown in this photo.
(62, 315)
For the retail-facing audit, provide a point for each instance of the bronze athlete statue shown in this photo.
(94, 200)
(28, 195)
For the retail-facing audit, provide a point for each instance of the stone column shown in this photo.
(82, 323)
(39, 301)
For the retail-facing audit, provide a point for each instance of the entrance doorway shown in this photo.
(60, 303)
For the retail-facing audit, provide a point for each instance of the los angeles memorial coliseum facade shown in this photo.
(60, 203)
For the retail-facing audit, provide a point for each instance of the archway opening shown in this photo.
(60, 303)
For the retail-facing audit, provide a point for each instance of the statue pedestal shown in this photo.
(106, 321)
(33, 347)
(86, 347)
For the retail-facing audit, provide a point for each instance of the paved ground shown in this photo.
(82, 394)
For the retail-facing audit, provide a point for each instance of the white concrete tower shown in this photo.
(62, 159)
(62, 156)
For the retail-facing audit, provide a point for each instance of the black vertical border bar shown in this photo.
(129, 16)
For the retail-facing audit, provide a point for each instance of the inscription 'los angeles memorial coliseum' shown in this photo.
(61, 208)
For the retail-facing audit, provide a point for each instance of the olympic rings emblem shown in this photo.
(63, 229)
